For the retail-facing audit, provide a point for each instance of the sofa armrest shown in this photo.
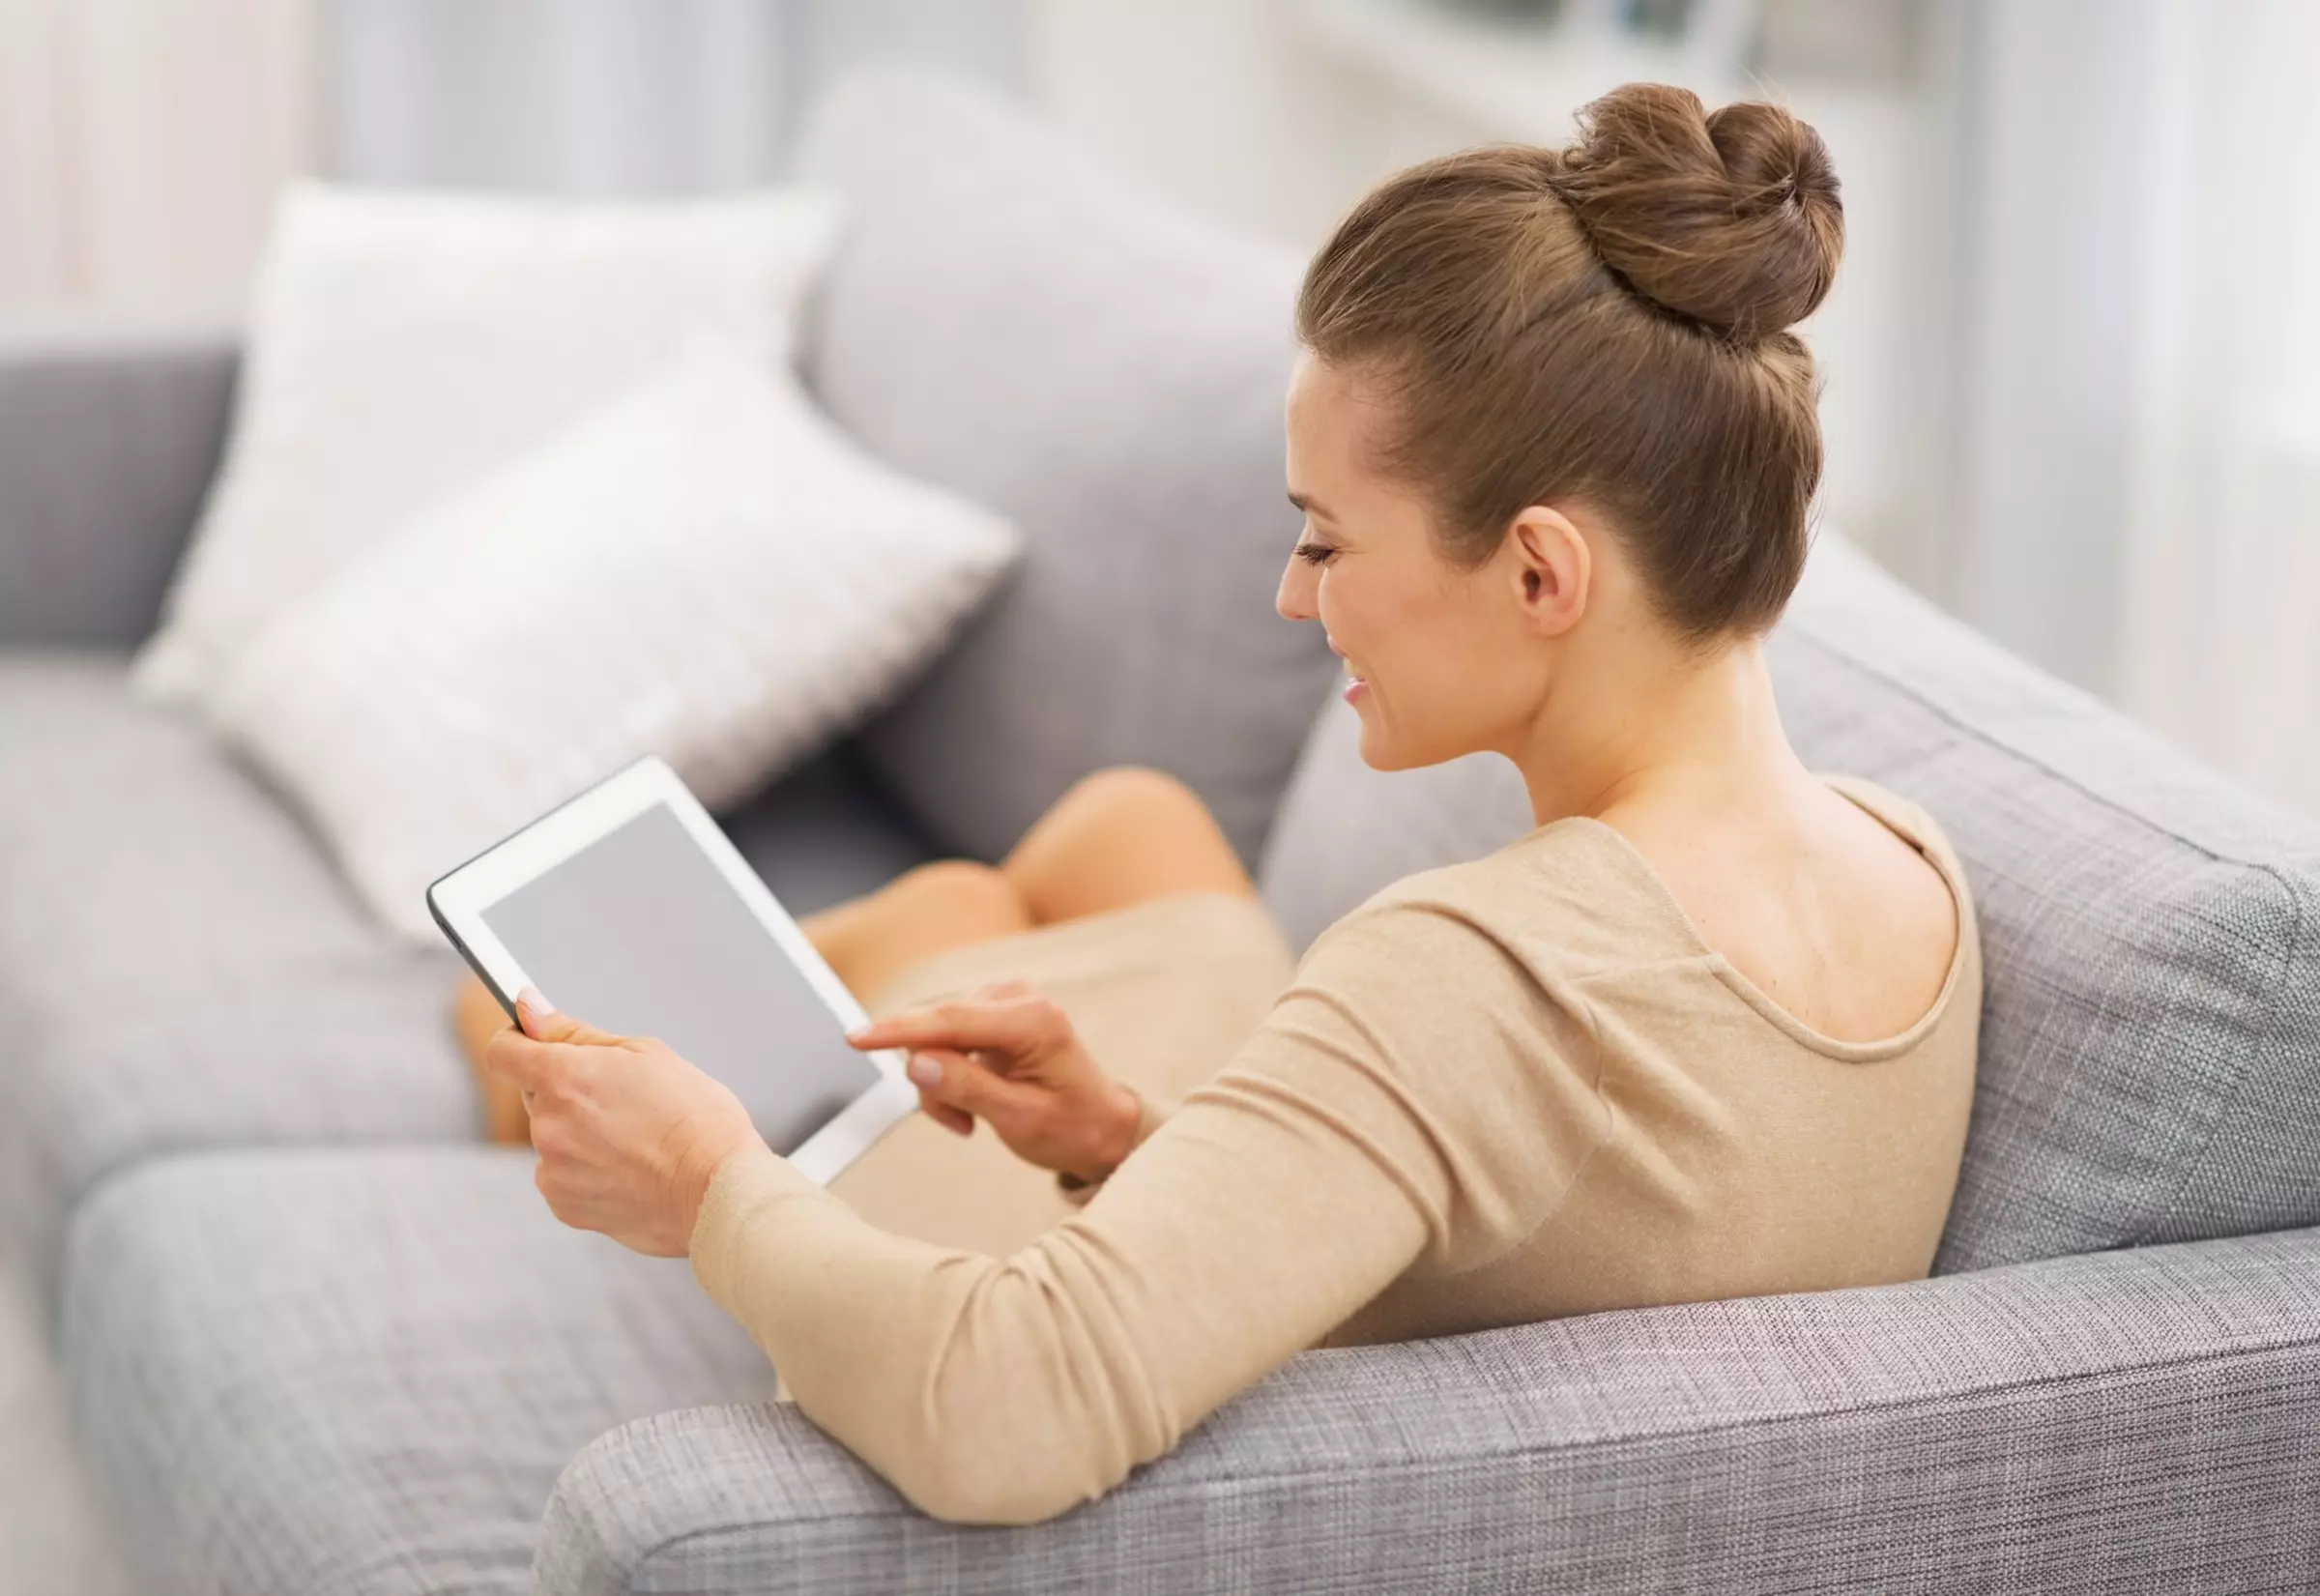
(2081, 1422)
(108, 438)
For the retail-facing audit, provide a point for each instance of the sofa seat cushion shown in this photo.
(144, 867)
(1010, 319)
(2150, 1051)
(362, 1371)
(363, 1054)
(182, 966)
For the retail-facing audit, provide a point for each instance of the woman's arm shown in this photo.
(1009, 1390)
(1378, 1119)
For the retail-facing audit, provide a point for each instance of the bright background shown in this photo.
(2072, 357)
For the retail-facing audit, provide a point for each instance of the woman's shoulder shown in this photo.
(1566, 897)
(1575, 898)
(1906, 816)
(1916, 824)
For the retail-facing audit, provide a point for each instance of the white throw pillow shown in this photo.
(403, 343)
(706, 569)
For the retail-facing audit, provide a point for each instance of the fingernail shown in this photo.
(858, 1033)
(532, 1001)
(924, 1070)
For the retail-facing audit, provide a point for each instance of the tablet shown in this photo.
(630, 908)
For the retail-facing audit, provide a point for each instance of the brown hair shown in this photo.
(1605, 323)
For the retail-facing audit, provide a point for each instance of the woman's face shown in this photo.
(1437, 660)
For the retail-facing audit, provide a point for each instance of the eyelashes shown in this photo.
(1313, 554)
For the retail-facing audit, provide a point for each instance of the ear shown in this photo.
(1554, 569)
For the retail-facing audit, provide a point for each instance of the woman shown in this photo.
(1707, 1030)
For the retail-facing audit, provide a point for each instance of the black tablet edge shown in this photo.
(506, 1000)
(474, 964)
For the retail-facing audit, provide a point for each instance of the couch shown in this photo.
(317, 1336)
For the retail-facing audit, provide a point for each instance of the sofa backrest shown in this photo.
(1008, 318)
(2150, 1057)
(2150, 1064)
(110, 434)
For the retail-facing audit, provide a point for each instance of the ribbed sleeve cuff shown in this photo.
(1150, 1115)
(749, 1185)
(732, 1246)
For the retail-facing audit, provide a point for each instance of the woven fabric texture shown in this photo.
(2121, 1422)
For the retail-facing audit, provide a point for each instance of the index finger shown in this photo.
(1009, 1024)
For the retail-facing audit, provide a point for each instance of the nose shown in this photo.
(1294, 600)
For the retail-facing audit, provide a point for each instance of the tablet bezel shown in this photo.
(458, 898)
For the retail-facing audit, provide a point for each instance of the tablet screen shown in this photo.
(639, 934)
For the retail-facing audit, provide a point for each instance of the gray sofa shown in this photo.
(317, 1337)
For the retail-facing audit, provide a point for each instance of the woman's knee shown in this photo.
(963, 889)
(1133, 789)
(1120, 835)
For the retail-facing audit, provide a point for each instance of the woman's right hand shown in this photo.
(1009, 1055)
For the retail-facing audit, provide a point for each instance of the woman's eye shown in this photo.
(1315, 553)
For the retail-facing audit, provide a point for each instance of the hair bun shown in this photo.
(1731, 219)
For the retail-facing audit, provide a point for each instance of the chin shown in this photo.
(1381, 751)
(1378, 750)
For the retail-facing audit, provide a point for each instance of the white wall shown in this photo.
(141, 145)
(2139, 419)
(614, 97)
(1275, 115)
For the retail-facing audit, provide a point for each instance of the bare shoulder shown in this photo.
(1900, 874)
(1830, 912)
(1885, 916)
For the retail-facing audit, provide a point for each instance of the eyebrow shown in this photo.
(1310, 505)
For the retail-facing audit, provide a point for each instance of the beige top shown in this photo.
(1496, 1092)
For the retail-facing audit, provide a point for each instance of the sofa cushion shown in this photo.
(143, 867)
(2150, 1064)
(1345, 830)
(2150, 1057)
(309, 1370)
(363, 1054)
(110, 431)
(1007, 319)
(181, 966)
(711, 572)
(404, 341)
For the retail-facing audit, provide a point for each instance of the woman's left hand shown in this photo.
(629, 1133)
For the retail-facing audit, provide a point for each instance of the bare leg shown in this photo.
(477, 1016)
(941, 904)
(1117, 836)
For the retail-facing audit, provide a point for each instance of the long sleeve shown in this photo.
(1415, 1099)
(1149, 1115)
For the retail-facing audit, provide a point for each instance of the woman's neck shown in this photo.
(1683, 730)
